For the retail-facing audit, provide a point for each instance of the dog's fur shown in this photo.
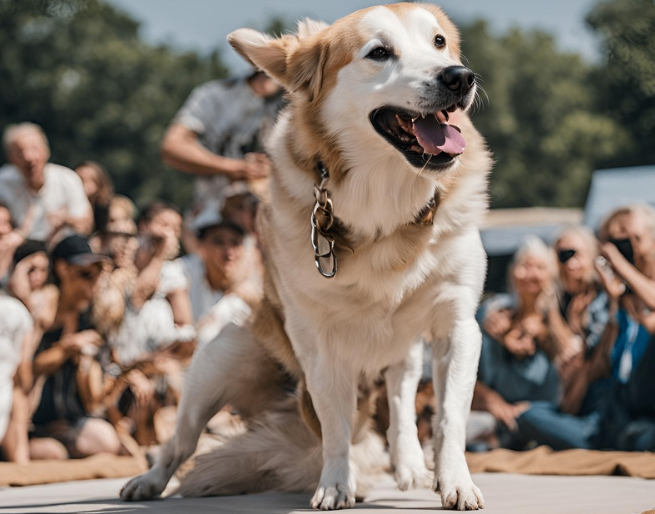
(397, 278)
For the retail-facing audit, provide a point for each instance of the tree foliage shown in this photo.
(627, 81)
(540, 117)
(79, 69)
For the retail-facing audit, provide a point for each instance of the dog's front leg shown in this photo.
(333, 388)
(407, 459)
(455, 367)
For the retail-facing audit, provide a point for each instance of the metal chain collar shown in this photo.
(322, 221)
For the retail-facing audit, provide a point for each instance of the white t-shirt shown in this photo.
(62, 189)
(212, 309)
(201, 294)
(15, 324)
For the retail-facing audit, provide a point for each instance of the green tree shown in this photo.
(79, 69)
(626, 81)
(539, 114)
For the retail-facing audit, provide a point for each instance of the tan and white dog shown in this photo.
(379, 179)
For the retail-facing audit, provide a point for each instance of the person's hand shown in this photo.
(86, 341)
(141, 387)
(497, 323)
(254, 166)
(11, 241)
(612, 284)
(519, 343)
(507, 413)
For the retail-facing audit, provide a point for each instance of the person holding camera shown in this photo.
(628, 273)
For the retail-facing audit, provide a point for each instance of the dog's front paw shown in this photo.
(410, 475)
(148, 486)
(334, 496)
(458, 492)
(336, 489)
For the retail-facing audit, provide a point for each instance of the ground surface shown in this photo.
(504, 493)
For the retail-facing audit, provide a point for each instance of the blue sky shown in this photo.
(203, 24)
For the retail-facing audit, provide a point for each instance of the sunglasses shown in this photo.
(565, 254)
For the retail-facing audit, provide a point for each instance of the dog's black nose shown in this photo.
(458, 79)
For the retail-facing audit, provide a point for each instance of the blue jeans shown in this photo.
(545, 424)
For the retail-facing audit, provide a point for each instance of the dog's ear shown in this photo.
(263, 51)
(309, 27)
(296, 62)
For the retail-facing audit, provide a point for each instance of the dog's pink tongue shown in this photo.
(437, 137)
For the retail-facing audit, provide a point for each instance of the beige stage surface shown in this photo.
(504, 494)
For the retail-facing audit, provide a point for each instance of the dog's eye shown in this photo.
(439, 41)
(379, 54)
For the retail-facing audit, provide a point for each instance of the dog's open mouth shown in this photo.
(425, 140)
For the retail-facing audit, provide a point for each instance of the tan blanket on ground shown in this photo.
(540, 461)
(50, 471)
(544, 461)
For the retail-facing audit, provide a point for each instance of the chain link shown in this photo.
(322, 221)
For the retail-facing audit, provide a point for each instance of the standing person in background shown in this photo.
(219, 133)
(45, 199)
(99, 189)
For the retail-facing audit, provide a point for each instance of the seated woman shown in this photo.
(64, 356)
(521, 339)
(628, 421)
(585, 308)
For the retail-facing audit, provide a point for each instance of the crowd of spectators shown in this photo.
(102, 308)
(568, 357)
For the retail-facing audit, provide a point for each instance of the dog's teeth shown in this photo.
(445, 113)
(414, 119)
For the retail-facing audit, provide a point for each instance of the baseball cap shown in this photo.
(75, 250)
(210, 218)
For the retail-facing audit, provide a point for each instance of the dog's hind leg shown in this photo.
(407, 458)
(454, 373)
(232, 369)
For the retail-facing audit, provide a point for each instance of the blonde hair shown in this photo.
(12, 132)
(584, 232)
(644, 209)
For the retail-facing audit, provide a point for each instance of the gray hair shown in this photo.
(533, 246)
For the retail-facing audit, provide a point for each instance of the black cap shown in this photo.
(209, 219)
(75, 250)
(29, 247)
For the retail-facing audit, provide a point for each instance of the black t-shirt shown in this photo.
(60, 398)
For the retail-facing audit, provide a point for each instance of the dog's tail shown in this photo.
(278, 452)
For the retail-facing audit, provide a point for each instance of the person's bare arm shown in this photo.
(182, 150)
(639, 283)
(486, 399)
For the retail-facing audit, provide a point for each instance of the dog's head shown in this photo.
(388, 75)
